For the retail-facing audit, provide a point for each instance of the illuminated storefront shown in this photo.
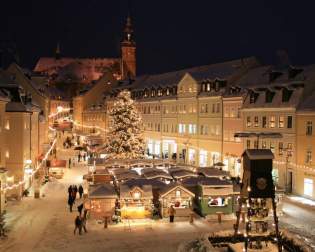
(203, 158)
(136, 201)
(177, 196)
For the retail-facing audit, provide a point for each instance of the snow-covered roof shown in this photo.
(173, 186)
(212, 172)
(126, 191)
(258, 154)
(211, 181)
(102, 191)
(151, 173)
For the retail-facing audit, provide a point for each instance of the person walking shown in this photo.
(69, 163)
(77, 225)
(79, 157)
(80, 208)
(172, 213)
(83, 223)
(84, 157)
(75, 190)
(70, 202)
(70, 190)
(80, 191)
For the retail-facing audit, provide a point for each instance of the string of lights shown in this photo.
(6, 188)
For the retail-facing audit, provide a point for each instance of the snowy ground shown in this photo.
(46, 224)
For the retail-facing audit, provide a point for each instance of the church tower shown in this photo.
(128, 51)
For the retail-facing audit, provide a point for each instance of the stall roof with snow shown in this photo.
(102, 191)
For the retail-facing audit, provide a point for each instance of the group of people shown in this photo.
(80, 220)
(72, 194)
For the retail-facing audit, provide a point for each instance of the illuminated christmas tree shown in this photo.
(124, 139)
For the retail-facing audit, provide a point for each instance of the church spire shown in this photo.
(128, 51)
(58, 51)
(128, 32)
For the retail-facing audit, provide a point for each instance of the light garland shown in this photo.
(59, 112)
(34, 171)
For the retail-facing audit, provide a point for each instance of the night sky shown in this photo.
(170, 34)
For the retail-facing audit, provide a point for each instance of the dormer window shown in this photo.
(274, 75)
(152, 92)
(208, 87)
(253, 97)
(146, 93)
(159, 92)
(269, 96)
(286, 94)
(167, 91)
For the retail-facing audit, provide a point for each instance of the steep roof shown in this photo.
(126, 190)
(222, 70)
(173, 186)
(102, 191)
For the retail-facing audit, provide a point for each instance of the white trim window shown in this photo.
(308, 187)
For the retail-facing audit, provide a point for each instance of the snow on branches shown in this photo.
(124, 139)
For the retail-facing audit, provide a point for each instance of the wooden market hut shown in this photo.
(136, 200)
(213, 195)
(102, 200)
(179, 197)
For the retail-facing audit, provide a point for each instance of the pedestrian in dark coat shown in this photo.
(80, 208)
(70, 189)
(69, 162)
(83, 223)
(80, 191)
(79, 157)
(77, 225)
(70, 202)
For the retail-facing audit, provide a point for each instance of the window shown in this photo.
(256, 123)
(217, 202)
(213, 108)
(226, 112)
(281, 121)
(263, 145)
(205, 130)
(264, 122)
(232, 113)
(272, 122)
(272, 147)
(247, 144)
(255, 144)
(218, 108)
(308, 156)
(7, 124)
(136, 195)
(181, 128)
(192, 128)
(308, 187)
(286, 94)
(289, 122)
(309, 128)
(238, 112)
(280, 148)
(217, 130)
(248, 122)
(177, 193)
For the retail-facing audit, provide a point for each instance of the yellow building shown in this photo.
(305, 167)
(89, 105)
(182, 112)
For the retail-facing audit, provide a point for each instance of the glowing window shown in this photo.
(136, 195)
(177, 193)
(308, 187)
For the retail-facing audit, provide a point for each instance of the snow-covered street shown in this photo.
(46, 224)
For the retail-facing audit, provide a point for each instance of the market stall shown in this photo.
(177, 196)
(102, 200)
(136, 201)
(57, 167)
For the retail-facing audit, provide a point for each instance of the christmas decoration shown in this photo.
(124, 139)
